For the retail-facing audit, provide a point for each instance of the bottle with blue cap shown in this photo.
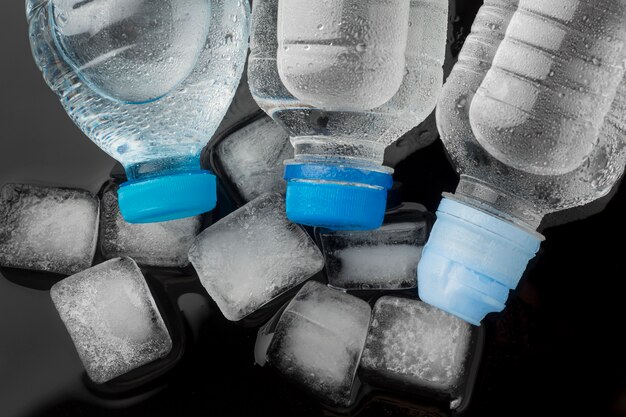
(345, 78)
(148, 82)
(533, 117)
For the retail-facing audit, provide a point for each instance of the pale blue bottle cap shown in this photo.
(471, 261)
(167, 197)
(336, 197)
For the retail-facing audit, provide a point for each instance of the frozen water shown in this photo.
(112, 318)
(318, 342)
(147, 81)
(521, 194)
(346, 54)
(252, 256)
(47, 229)
(542, 104)
(252, 158)
(413, 345)
(385, 266)
(163, 244)
(385, 258)
(133, 50)
(361, 48)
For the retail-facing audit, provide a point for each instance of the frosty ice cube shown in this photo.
(318, 342)
(385, 258)
(413, 346)
(47, 229)
(164, 244)
(112, 318)
(252, 158)
(252, 256)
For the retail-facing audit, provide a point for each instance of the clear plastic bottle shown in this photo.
(345, 78)
(535, 123)
(148, 82)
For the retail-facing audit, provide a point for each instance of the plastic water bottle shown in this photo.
(346, 78)
(148, 82)
(535, 123)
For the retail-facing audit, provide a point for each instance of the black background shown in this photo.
(558, 348)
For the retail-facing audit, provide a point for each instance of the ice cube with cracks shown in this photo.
(112, 318)
(251, 158)
(252, 256)
(47, 228)
(418, 348)
(318, 341)
(163, 244)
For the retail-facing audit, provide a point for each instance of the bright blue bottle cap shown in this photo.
(167, 197)
(336, 197)
(471, 261)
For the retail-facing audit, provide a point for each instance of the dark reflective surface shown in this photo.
(556, 350)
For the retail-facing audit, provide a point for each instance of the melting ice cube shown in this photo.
(112, 318)
(318, 342)
(252, 256)
(47, 229)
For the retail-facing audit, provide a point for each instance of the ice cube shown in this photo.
(385, 258)
(252, 158)
(318, 342)
(252, 256)
(112, 318)
(414, 346)
(47, 229)
(163, 244)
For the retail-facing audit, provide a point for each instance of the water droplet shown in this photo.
(320, 27)
(461, 103)
(61, 19)
(361, 47)
(307, 47)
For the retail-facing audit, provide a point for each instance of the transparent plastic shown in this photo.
(148, 82)
(542, 103)
(532, 116)
(346, 79)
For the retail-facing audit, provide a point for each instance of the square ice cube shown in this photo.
(252, 256)
(164, 244)
(112, 318)
(412, 345)
(47, 229)
(318, 342)
(385, 258)
(252, 158)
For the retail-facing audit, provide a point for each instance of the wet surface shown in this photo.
(556, 350)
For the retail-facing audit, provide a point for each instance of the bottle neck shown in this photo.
(498, 203)
(159, 167)
(361, 153)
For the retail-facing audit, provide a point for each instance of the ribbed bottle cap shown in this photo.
(167, 197)
(472, 260)
(336, 197)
